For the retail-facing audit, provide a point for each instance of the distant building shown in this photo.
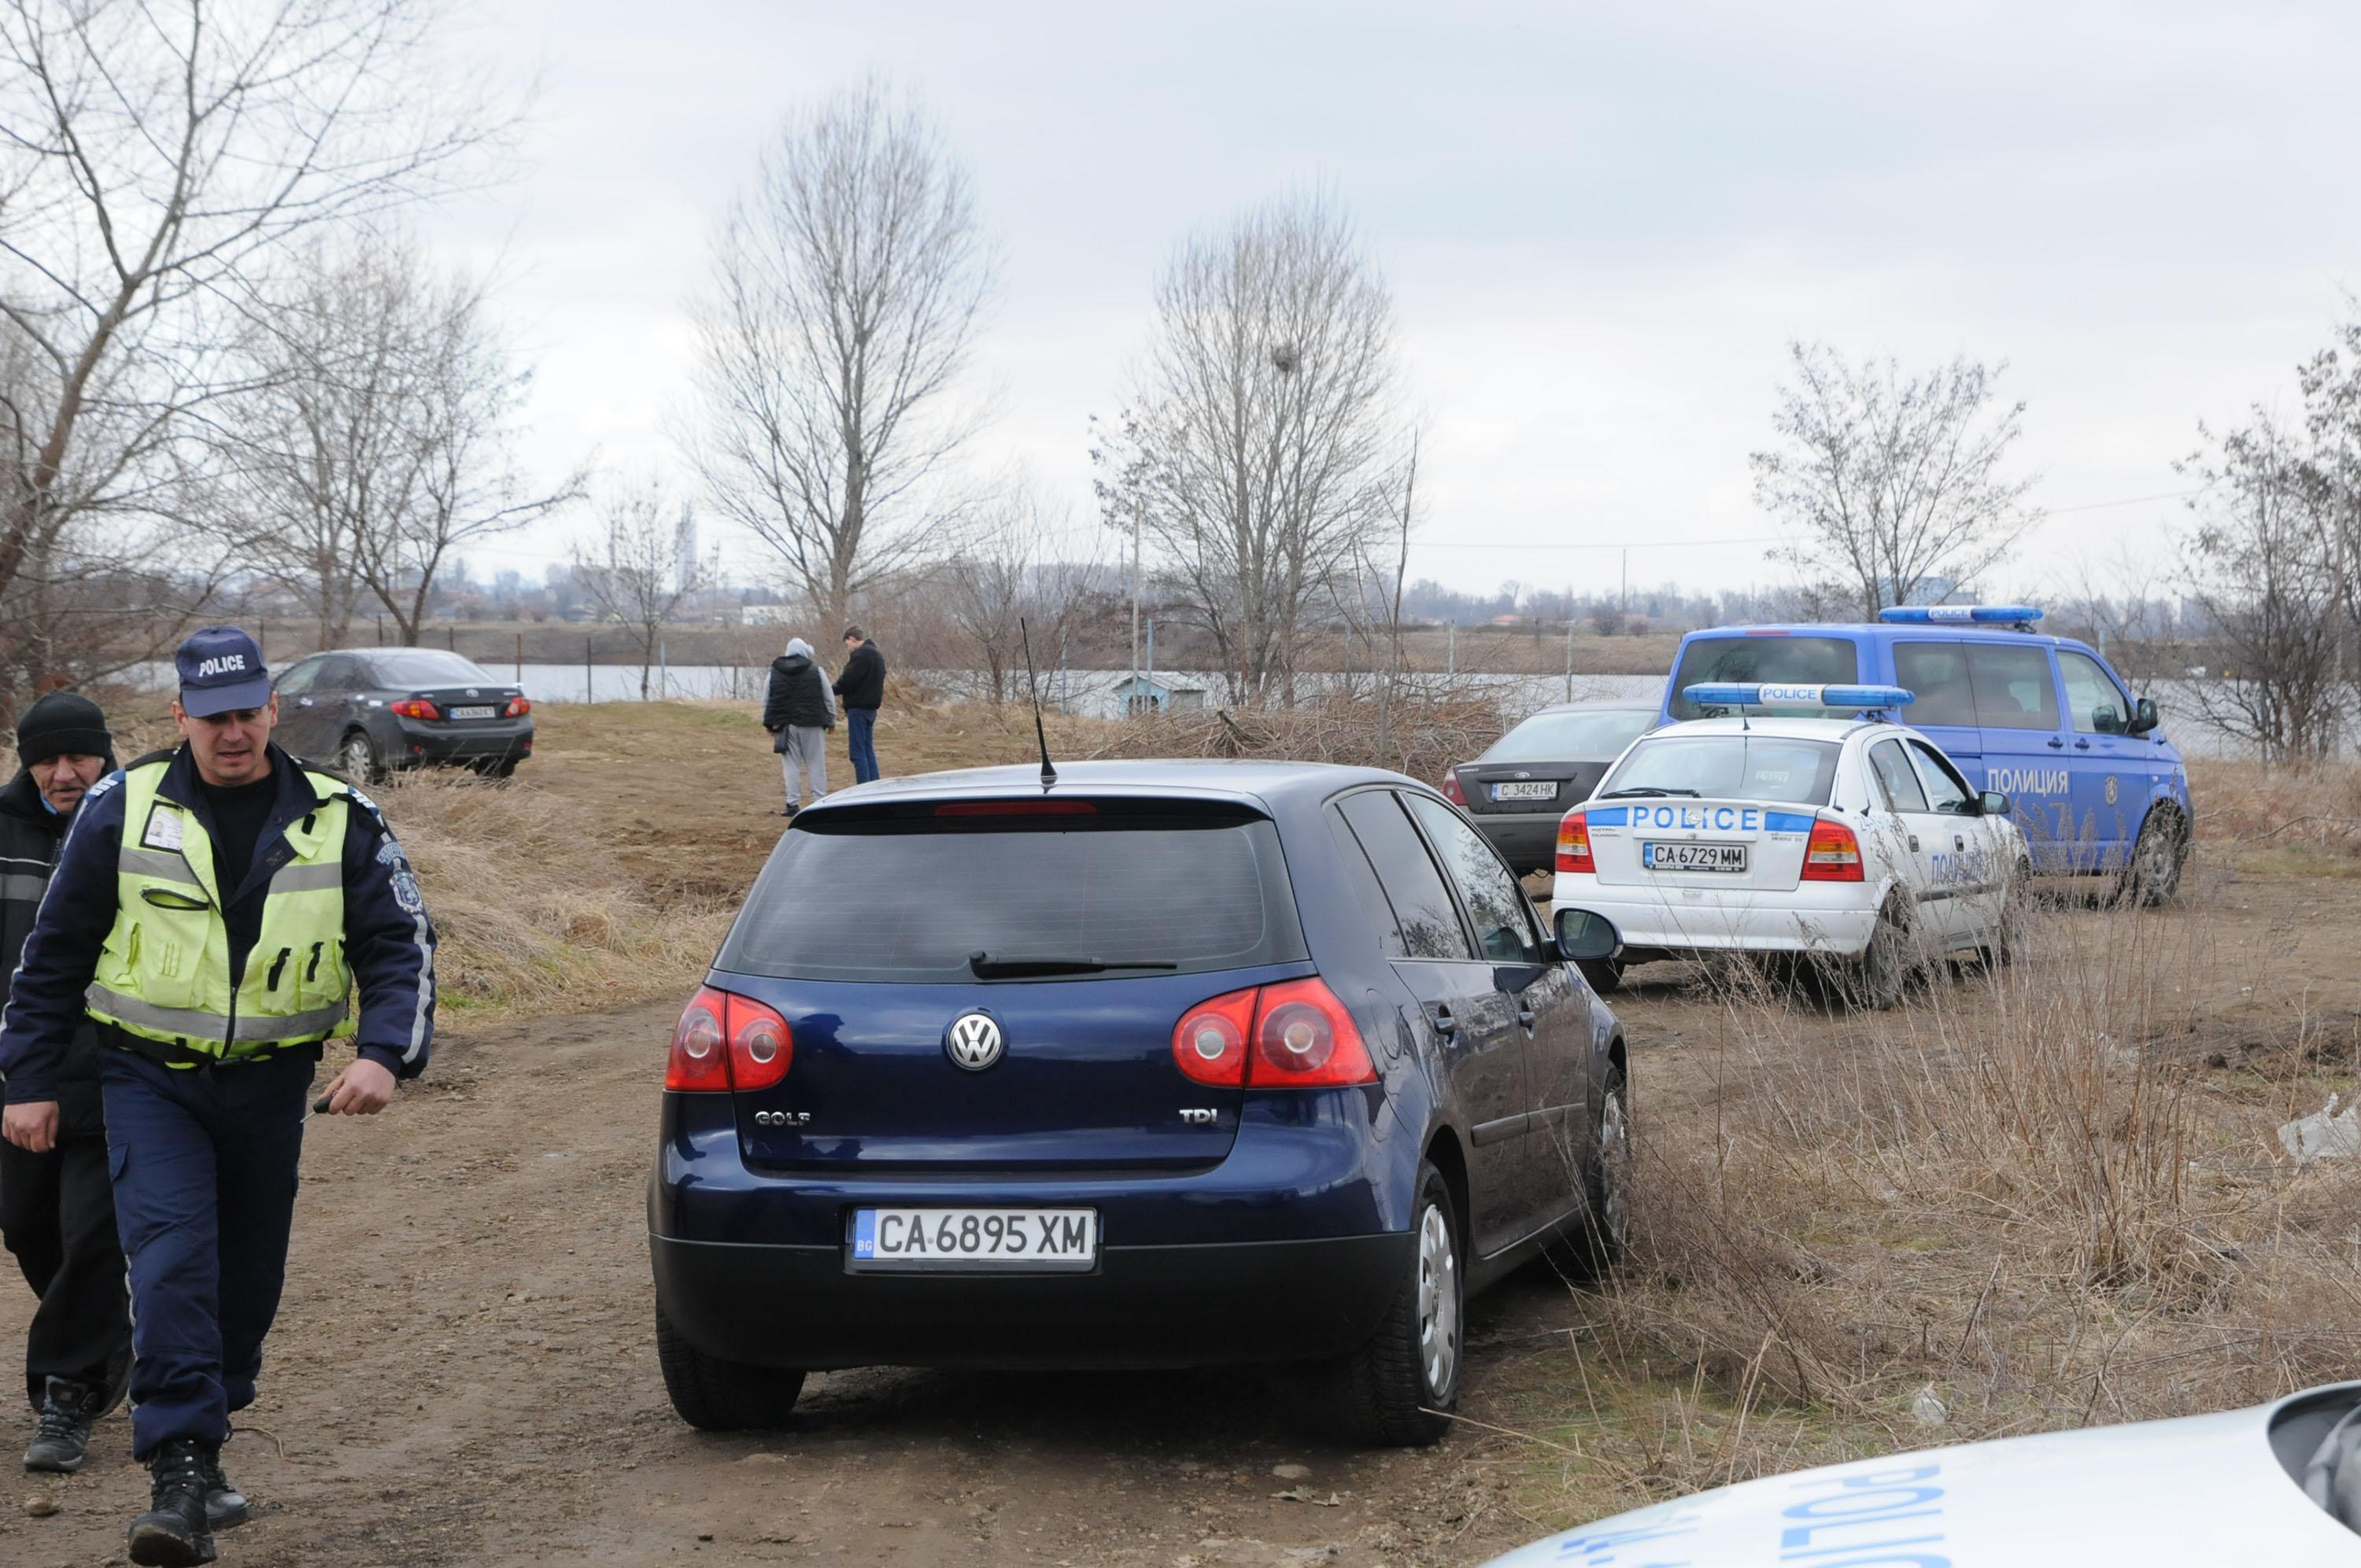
(1139, 693)
(764, 615)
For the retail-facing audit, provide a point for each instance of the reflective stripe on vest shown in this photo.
(164, 972)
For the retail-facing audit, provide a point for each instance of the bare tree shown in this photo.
(1261, 448)
(1023, 563)
(2260, 569)
(848, 288)
(1892, 479)
(155, 160)
(643, 566)
(2331, 381)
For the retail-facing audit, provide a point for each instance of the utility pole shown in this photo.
(1626, 582)
(1132, 696)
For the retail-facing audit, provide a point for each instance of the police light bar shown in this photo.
(1960, 615)
(1731, 695)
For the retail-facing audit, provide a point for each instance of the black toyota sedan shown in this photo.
(367, 711)
(1516, 792)
(1166, 1064)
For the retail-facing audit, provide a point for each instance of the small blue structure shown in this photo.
(1142, 693)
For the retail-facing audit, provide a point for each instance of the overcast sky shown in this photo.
(1601, 225)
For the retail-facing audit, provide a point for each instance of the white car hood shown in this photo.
(2201, 1490)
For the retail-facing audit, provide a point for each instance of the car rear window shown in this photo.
(427, 667)
(1776, 659)
(1547, 737)
(1727, 767)
(903, 895)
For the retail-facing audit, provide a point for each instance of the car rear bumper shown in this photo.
(1147, 1306)
(1830, 918)
(424, 744)
(1527, 840)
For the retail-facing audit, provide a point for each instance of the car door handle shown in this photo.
(2081, 745)
(1914, 843)
(2056, 744)
(302, 702)
(1444, 1024)
(1958, 840)
(1525, 1017)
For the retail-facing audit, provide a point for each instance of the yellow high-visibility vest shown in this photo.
(164, 974)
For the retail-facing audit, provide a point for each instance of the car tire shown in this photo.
(1883, 977)
(714, 1395)
(1600, 1235)
(1605, 975)
(2008, 938)
(357, 758)
(2152, 875)
(1399, 1390)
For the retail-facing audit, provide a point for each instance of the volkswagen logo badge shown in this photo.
(972, 1041)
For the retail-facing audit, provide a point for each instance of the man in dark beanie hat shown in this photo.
(57, 1209)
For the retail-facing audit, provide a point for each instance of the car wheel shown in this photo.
(1889, 961)
(2008, 935)
(2153, 873)
(1605, 975)
(714, 1395)
(1602, 1232)
(357, 758)
(1400, 1388)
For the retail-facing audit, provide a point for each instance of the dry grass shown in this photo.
(2290, 814)
(2031, 1193)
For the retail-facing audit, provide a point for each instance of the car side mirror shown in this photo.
(1996, 803)
(1583, 936)
(2145, 716)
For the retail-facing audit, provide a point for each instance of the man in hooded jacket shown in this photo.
(798, 712)
(56, 1208)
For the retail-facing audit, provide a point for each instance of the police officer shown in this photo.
(57, 1211)
(212, 908)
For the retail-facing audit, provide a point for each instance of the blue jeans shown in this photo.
(859, 722)
(204, 1161)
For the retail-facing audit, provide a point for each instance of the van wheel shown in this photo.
(1605, 975)
(1889, 961)
(714, 1395)
(2153, 873)
(1399, 1390)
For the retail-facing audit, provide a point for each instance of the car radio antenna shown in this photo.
(1025, 634)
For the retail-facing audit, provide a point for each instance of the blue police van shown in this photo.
(2094, 784)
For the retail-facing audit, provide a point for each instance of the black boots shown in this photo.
(63, 1437)
(224, 1504)
(173, 1532)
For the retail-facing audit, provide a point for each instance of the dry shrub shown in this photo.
(2251, 807)
(1425, 734)
(530, 903)
(2014, 1190)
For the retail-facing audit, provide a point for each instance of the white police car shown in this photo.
(2279, 1483)
(1848, 840)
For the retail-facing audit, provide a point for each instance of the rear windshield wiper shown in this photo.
(1649, 790)
(986, 967)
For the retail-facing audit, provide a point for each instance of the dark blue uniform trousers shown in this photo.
(204, 1161)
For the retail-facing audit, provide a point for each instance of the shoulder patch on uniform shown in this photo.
(389, 853)
(406, 893)
(103, 785)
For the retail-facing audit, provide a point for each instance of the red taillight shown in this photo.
(726, 1042)
(414, 708)
(1573, 845)
(519, 707)
(1451, 790)
(1832, 854)
(1294, 1035)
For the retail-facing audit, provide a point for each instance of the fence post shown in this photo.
(585, 669)
(1451, 653)
(520, 636)
(1569, 659)
(664, 673)
(451, 637)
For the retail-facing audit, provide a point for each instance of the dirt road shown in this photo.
(463, 1372)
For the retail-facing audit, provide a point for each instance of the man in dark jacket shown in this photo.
(797, 713)
(862, 689)
(57, 1209)
(215, 909)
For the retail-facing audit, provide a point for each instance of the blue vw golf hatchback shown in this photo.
(1170, 1064)
(2091, 776)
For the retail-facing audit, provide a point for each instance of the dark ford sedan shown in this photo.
(1171, 1064)
(1520, 789)
(367, 711)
